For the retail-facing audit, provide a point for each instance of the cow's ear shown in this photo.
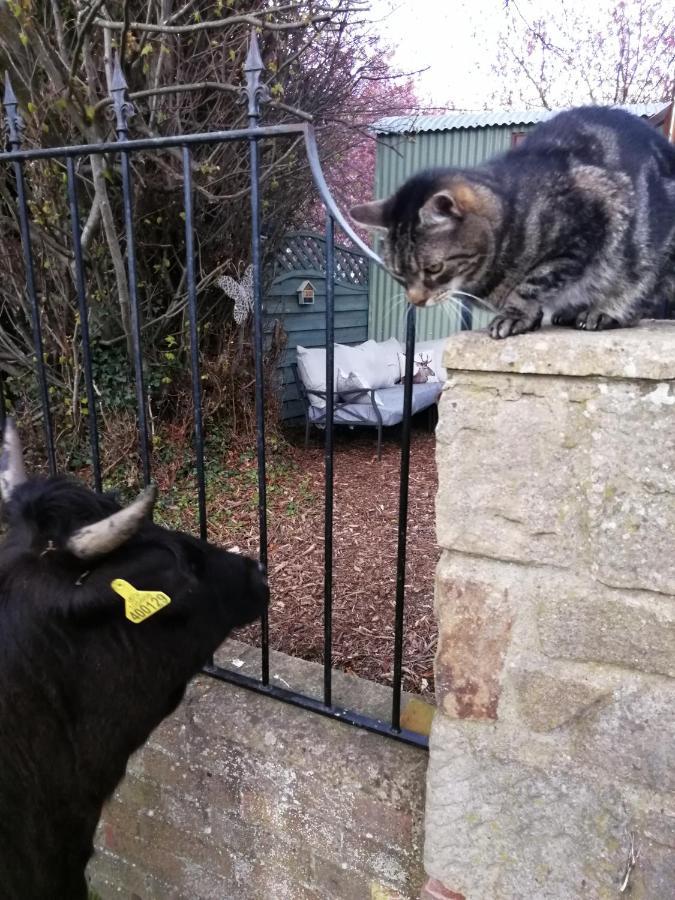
(373, 215)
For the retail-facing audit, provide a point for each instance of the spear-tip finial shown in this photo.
(13, 125)
(122, 109)
(254, 61)
(119, 82)
(9, 98)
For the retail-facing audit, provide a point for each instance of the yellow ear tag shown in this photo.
(139, 605)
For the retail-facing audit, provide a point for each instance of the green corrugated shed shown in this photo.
(408, 144)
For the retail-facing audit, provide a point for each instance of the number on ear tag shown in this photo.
(139, 605)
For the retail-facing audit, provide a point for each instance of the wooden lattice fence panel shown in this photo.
(303, 250)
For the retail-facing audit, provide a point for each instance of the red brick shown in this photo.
(435, 890)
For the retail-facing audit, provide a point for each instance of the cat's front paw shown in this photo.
(566, 318)
(506, 325)
(594, 320)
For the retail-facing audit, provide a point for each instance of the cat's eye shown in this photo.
(434, 269)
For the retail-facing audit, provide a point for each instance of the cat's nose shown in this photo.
(417, 294)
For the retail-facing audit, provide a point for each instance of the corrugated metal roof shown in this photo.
(451, 121)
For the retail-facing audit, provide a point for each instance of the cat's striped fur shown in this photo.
(579, 221)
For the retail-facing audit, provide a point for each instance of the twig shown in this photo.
(631, 862)
(82, 34)
(202, 86)
(255, 21)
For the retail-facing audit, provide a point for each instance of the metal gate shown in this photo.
(254, 95)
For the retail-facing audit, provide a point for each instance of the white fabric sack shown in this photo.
(312, 371)
(352, 381)
(375, 364)
(386, 354)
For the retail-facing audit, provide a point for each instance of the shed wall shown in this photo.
(306, 325)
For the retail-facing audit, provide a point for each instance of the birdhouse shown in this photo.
(306, 293)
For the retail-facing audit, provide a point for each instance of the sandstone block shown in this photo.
(568, 471)
(546, 702)
(475, 621)
(586, 621)
(632, 736)
(630, 485)
(642, 352)
(500, 439)
(498, 828)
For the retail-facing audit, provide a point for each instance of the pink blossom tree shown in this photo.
(604, 53)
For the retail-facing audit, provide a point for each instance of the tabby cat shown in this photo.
(577, 221)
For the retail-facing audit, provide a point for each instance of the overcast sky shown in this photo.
(455, 40)
(441, 36)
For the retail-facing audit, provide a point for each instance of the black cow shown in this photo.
(82, 686)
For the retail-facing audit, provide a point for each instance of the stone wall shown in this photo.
(240, 797)
(553, 752)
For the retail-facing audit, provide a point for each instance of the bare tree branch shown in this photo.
(201, 86)
(254, 21)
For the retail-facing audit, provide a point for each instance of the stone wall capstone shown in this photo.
(553, 750)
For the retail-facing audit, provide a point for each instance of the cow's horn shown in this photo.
(12, 472)
(110, 533)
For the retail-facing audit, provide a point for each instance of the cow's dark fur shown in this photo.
(83, 687)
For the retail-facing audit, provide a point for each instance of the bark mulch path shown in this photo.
(365, 536)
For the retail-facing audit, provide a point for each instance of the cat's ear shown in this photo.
(444, 206)
(439, 209)
(373, 215)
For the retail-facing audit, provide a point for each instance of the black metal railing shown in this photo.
(254, 93)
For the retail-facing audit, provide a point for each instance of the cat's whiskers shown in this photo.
(478, 300)
(448, 298)
(400, 301)
(446, 312)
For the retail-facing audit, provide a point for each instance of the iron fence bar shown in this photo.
(253, 94)
(328, 466)
(84, 322)
(339, 713)
(403, 518)
(3, 401)
(312, 151)
(14, 126)
(155, 143)
(122, 110)
(194, 340)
